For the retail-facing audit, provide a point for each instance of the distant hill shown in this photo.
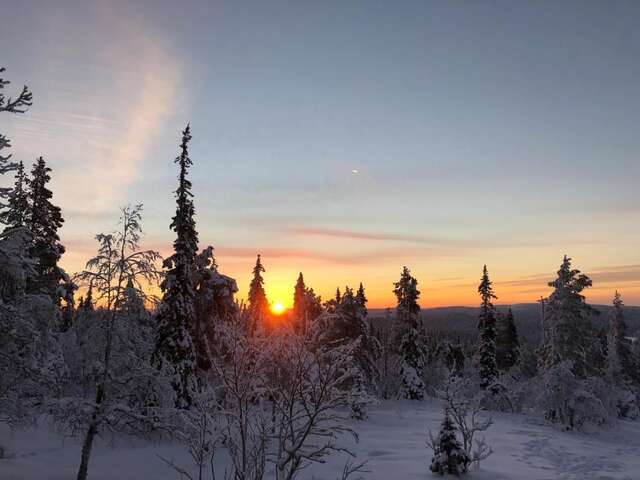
(463, 320)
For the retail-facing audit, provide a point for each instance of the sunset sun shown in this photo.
(277, 308)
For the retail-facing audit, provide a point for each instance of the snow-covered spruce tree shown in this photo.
(574, 390)
(619, 363)
(258, 304)
(467, 415)
(66, 293)
(507, 342)
(215, 307)
(176, 313)
(133, 303)
(31, 366)
(15, 216)
(123, 377)
(19, 104)
(389, 361)
(43, 220)
(307, 307)
(361, 299)
(299, 308)
(347, 328)
(14, 258)
(486, 357)
(312, 305)
(411, 344)
(448, 455)
(567, 325)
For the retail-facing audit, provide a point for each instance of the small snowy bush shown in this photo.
(448, 454)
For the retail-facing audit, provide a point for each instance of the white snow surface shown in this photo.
(392, 440)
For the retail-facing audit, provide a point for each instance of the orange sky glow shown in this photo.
(346, 156)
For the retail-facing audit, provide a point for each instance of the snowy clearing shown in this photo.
(391, 440)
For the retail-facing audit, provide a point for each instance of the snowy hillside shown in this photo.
(391, 440)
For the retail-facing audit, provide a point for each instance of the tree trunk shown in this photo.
(88, 439)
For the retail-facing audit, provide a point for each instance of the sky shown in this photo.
(497, 132)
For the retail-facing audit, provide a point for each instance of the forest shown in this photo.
(161, 349)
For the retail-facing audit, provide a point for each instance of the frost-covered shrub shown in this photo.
(527, 366)
(435, 377)
(31, 364)
(15, 265)
(574, 402)
(627, 404)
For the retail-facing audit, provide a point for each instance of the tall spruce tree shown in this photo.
(567, 321)
(43, 220)
(412, 348)
(487, 367)
(15, 215)
(619, 364)
(176, 314)
(299, 309)
(258, 304)
(508, 344)
(361, 298)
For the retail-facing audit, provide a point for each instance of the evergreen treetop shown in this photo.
(567, 324)
(258, 304)
(362, 299)
(407, 293)
(18, 202)
(508, 343)
(43, 220)
(176, 314)
(487, 309)
(487, 365)
(299, 308)
(449, 457)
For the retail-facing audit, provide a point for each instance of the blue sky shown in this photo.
(500, 132)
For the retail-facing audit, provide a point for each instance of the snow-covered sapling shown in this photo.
(448, 454)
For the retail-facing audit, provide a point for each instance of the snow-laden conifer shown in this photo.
(176, 314)
(258, 304)
(15, 215)
(411, 343)
(568, 333)
(507, 342)
(449, 457)
(43, 221)
(619, 360)
(487, 367)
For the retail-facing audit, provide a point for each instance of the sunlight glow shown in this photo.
(277, 308)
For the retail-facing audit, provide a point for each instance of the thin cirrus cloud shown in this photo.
(470, 242)
(322, 256)
(354, 235)
(112, 84)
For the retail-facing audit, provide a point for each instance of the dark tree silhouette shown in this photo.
(176, 313)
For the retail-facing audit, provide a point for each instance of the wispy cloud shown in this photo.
(367, 256)
(349, 234)
(111, 84)
(470, 242)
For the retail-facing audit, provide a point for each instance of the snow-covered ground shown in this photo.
(392, 440)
